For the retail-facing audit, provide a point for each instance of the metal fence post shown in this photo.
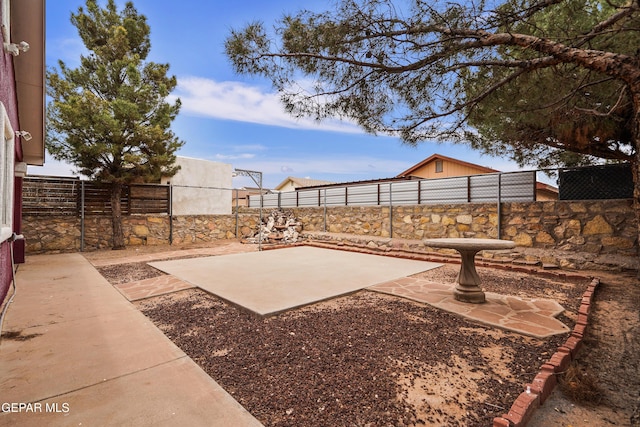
(325, 211)
(499, 205)
(390, 211)
(81, 216)
(237, 208)
(170, 214)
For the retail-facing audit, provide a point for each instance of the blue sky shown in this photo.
(237, 119)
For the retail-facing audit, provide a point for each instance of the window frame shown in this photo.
(5, 6)
(439, 166)
(7, 178)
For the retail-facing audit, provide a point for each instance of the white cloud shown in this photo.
(234, 156)
(352, 168)
(66, 49)
(244, 103)
(53, 168)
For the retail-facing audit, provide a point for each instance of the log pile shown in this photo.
(278, 227)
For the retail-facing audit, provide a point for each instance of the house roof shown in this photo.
(302, 182)
(363, 182)
(435, 157)
(546, 187)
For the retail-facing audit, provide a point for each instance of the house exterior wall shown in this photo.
(449, 169)
(454, 169)
(201, 187)
(545, 195)
(288, 186)
(9, 100)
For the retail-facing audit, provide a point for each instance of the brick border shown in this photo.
(539, 390)
(543, 384)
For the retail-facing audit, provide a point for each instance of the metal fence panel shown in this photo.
(268, 200)
(446, 190)
(308, 198)
(514, 187)
(405, 193)
(288, 199)
(518, 186)
(483, 188)
(363, 195)
(613, 181)
(335, 196)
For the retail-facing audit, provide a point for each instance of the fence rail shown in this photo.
(51, 196)
(505, 187)
(43, 196)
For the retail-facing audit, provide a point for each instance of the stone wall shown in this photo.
(585, 226)
(54, 234)
(597, 227)
(601, 226)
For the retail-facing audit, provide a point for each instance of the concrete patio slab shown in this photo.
(272, 281)
(79, 353)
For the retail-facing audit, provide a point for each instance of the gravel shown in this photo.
(365, 359)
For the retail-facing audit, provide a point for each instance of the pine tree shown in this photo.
(424, 70)
(109, 117)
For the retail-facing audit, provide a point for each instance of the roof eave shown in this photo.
(28, 24)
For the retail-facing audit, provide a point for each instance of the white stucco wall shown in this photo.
(213, 195)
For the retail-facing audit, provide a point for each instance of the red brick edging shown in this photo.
(540, 389)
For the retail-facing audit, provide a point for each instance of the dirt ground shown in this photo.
(372, 359)
(605, 389)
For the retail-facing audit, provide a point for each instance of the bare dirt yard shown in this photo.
(369, 359)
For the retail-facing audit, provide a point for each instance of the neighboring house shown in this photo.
(240, 196)
(22, 77)
(546, 192)
(293, 183)
(439, 166)
(201, 187)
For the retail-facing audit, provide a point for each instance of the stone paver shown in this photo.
(152, 287)
(532, 317)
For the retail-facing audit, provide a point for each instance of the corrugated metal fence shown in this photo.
(503, 187)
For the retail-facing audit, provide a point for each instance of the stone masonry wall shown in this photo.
(585, 226)
(54, 234)
(597, 227)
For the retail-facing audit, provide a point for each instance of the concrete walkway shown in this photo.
(76, 352)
